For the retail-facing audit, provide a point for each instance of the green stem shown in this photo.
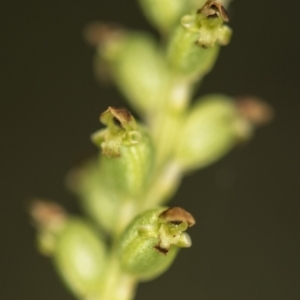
(165, 127)
(116, 284)
(167, 121)
(128, 211)
(164, 185)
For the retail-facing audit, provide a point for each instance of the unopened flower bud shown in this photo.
(194, 46)
(150, 243)
(99, 202)
(78, 251)
(211, 129)
(137, 66)
(80, 258)
(127, 153)
(163, 14)
(111, 186)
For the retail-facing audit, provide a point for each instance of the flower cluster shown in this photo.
(130, 235)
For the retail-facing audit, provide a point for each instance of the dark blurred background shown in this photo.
(246, 242)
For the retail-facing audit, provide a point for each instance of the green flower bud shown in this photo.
(127, 153)
(137, 67)
(194, 45)
(78, 251)
(141, 73)
(110, 186)
(164, 13)
(125, 168)
(80, 258)
(150, 243)
(89, 184)
(211, 129)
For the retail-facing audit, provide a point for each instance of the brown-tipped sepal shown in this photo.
(49, 218)
(121, 129)
(127, 154)
(194, 45)
(150, 243)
